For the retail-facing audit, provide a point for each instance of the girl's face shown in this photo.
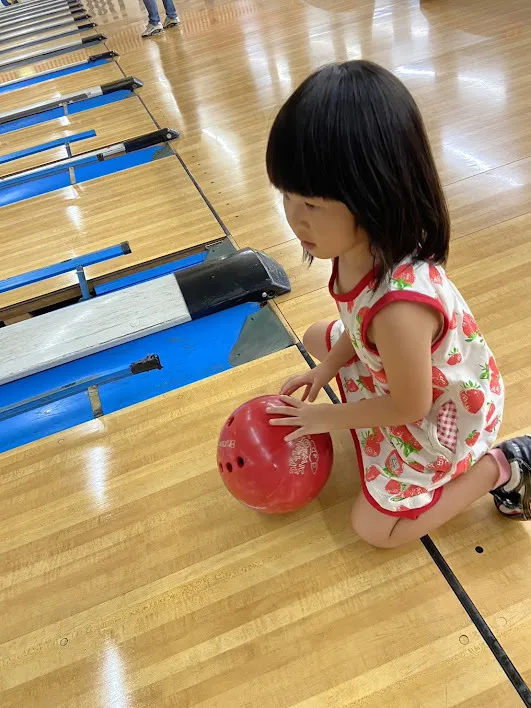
(325, 228)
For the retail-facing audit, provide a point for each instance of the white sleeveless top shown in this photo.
(404, 467)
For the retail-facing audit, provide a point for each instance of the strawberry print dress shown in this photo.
(404, 468)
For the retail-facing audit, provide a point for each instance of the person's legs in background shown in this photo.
(172, 18)
(154, 23)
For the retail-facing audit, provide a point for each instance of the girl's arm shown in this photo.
(313, 380)
(339, 354)
(403, 333)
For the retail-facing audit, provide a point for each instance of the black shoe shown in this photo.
(513, 499)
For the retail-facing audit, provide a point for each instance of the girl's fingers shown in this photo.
(314, 390)
(294, 402)
(285, 422)
(307, 392)
(291, 386)
(295, 435)
(282, 410)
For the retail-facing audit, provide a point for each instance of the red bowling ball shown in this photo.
(261, 469)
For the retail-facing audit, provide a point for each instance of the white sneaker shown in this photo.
(172, 22)
(152, 30)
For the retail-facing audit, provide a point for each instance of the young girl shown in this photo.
(421, 391)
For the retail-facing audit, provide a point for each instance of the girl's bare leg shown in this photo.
(389, 531)
(315, 339)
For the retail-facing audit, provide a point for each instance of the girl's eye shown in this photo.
(310, 206)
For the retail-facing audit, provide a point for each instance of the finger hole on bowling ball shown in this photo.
(229, 467)
(240, 462)
(230, 421)
(220, 467)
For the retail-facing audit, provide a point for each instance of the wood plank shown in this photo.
(474, 93)
(88, 327)
(301, 312)
(492, 270)
(112, 123)
(16, 54)
(161, 214)
(23, 72)
(61, 86)
(490, 197)
(124, 559)
(44, 38)
(31, 161)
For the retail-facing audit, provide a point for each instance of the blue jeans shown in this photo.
(153, 11)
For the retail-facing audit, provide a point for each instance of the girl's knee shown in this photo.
(364, 532)
(371, 526)
(314, 339)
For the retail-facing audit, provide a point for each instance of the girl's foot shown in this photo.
(513, 498)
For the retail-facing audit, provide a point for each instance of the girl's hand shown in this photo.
(313, 380)
(308, 419)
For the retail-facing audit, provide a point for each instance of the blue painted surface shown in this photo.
(31, 120)
(47, 146)
(32, 80)
(33, 189)
(44, 421)
(98, 101)
(149, 274)
(79, 107)
(116, 164)
(189, 352)
(35, 276)
(54, 168)
(43, 185)
(59, 394)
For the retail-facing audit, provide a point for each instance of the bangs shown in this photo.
(296, 159)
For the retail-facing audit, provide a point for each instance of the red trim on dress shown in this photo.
(397, 296)
(353, 294)
(412, 513)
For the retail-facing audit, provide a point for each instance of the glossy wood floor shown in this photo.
(129, 577)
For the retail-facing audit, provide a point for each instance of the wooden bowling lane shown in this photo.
(49, 63)
(59, 128)
(130, 575)
(473, 89)
(16, 54)
(42, 24)
(155, 207)
(113, 122)
(70, 32)
(490, 197)
(61, 86)
(31, 161)
(32, 10)
(489, 554)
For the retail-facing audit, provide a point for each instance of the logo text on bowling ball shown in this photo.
(304, 452)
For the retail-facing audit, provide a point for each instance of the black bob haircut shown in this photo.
(352, 132)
